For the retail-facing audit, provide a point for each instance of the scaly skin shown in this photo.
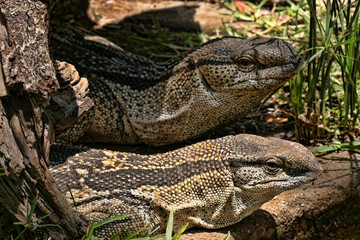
(210, 184)
(138, 100)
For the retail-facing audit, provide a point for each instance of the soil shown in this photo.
(328, 208)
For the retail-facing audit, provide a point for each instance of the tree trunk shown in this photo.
(27, 80)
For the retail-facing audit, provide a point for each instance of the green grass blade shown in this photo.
(32, 209)
(41, 218)
(3, 174)
(93, 226)
(133, 234)
(90, 232)
(177, 235)
(350, 146)
(313, 57)
(112, 219)
(227, 236)
(153, 231)
(143, 238)
(20, 236)
(45, 225)
(163, 36)
(169, 226)
(72, 196)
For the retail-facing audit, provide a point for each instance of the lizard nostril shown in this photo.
(298, 62)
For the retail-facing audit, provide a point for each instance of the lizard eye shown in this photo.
(246, 63)
(273, 166)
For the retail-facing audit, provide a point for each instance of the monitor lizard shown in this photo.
(141, 101)
(211, 184)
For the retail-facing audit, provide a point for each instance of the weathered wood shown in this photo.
(27, 79)
(70, 103)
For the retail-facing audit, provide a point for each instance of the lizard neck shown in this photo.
(182, 101)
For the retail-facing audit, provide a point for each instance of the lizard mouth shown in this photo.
(264, 85)
(285, 72)
(279, 181)
(270, 78)
(281, 185)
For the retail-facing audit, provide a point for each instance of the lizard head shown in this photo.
(264, 167)
(255, 65)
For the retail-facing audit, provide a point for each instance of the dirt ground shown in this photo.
(329, 208)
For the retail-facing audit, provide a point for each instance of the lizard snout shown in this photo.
(315, 170)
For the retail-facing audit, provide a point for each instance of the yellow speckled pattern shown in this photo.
(211, 184)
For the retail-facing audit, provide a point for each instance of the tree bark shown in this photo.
(27, 80)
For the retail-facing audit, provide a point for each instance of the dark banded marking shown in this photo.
(125, 179)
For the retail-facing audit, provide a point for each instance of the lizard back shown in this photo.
(138, 100)
(210, 184)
